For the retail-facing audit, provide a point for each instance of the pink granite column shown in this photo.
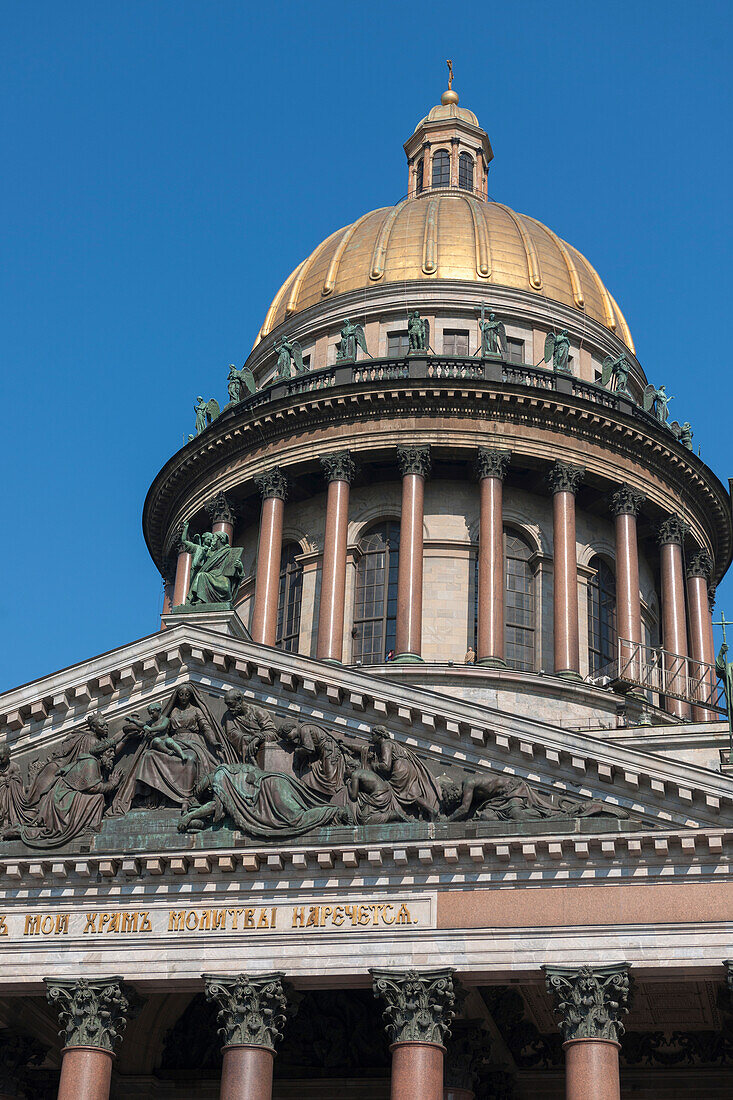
(625, 504)
(252, 1013)
(92, 1013)
(183, 578)
(699, 573)
(339, 470)
(414, 466)
(674, 619)
(419, 1007)
(564, 481)
(589, 1003)
(273, 487)
(222, 515)
(491, 469)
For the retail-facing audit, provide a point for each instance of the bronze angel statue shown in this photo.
(557, 351)
(352, 336)
(493, 336)
(206, 413)
(616, 372)
(240, 383)
(657, 402)
(289, 354)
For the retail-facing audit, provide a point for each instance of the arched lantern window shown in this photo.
(519, 603)
(601, 615)
(418, 175)
(465, 172)
(289, 598)
(375, 600)
(441, 169)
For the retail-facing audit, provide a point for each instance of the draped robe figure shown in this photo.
(216, 568)
(246, 727)
(325, 761)
(94, 733)
(14, 806)
(149, 769)
(372, 798)
(412, 783)
(76, 803)
(268, 805)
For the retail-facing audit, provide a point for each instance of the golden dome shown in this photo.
(447, 235)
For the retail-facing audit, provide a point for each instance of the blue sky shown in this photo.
(166, 165)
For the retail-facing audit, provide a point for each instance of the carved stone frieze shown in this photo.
(414, 460)
(564, 478)
(221, 509)
(672, 531)
(590, 1001)
(252, 1008)
(492, 463)
(419, 1004)
(92, 1012)
(272, 483)
(339, 466)
(701, 564)
(468, 1048)
(626, 501)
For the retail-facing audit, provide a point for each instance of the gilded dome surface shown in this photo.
(447, 235)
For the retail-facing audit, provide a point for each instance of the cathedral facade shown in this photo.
(421, 789)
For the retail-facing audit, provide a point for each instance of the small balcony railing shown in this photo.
(651, 669)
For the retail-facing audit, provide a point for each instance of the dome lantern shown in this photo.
(448, 149)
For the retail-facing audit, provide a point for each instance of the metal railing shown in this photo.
(656, 670)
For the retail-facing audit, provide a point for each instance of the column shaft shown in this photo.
(247, 1073)
(410, 575)
(183, 579)
(417, 1072)
(701, 638)
(591, 1070)
(333, 576)
(628, 602)
(226, 526)
(86, 1074)
(267, 582)
(674, 625)
(565, 586)
(490, 642)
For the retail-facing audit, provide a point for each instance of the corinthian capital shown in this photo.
(590, 1001)
(414, 460)
(221, 509)
(272, 483)
(671, 531)
(626, 501)
(564, 478)
(492, 463)
(701, 565)
(419, 1004)
(252, 1009)
(92, 1011)
(339, 467)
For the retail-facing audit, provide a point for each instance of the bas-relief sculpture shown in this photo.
(262, 777)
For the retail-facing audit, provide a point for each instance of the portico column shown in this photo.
(419, 1007)
(674, 621)
(564, 481)
(491, 467)
(589, 1003)
(699, 573)
(92, 1013)
(273, 486)
(414, 466)
(222, 515)
(251, 1021)
(339, 470)
(625, 504)
(468, 1047)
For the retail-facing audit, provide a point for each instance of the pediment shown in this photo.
(542, 779)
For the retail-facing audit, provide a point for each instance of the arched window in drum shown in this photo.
(601, 615)
(375, 601)
(418, 175)
(289, 598)
(441, 169)
(465, 172)
(519, 603)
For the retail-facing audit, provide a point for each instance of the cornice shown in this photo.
(206, 465)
